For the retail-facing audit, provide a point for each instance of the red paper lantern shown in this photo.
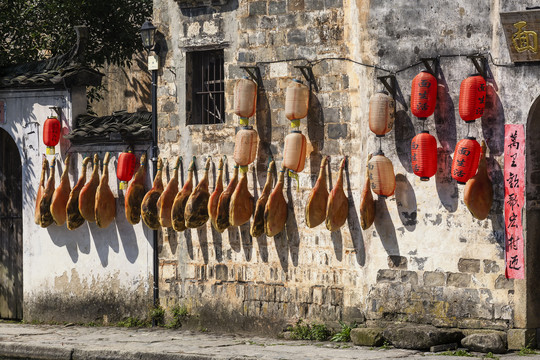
(466, 158)
(423, 95)
(127, 162)
(472, 98)
(51, 133)
(424, 155)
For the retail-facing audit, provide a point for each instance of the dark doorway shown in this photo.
(11, 292)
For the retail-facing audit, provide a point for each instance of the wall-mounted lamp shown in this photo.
(148, 37)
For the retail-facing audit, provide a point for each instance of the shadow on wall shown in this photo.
(315, 132)
(406, 202)
(199, 10)
(353, 222)
(404, 133)
(264, 129)
(446, 186)
(445, 118)
(291, 227)
(385, 228)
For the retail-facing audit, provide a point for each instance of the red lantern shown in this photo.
(51, 133)
(127, 162)
(472, 98)
(424, 155)
(466, 158)
(423, 95)
(381, 175)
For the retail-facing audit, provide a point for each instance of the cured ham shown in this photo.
(478, 192)
(257, 226)
(318, 199)
(196, 212)
(135, 194)
(87, 197)
(242, 202)
(61, 195)
(74, 218)
(222, 220)
(367, 204)
(337, 209)
(46, 218)
(179, 204)
(105, 201)
(40, 190)
(149, 210)
(276, 211)
(166, 200)
(214, 197)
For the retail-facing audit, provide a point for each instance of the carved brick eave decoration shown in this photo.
(522, 30)
(200, 3)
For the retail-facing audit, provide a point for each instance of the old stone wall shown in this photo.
(426, 259)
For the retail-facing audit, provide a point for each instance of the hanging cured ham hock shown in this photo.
(40, 191)
(222, 220)
(478, 192)
(275, 212)
(74, 218)
(213, 201)
(149, 209)
(318, 199)
(135, 194)
(196, 212)
(242, 202)
(46, 218)
(180, 201)
(61, 195)
(166, 200)
(105, 201)
(87, 197)
(257, 227)
(337, 209)
(367, 204)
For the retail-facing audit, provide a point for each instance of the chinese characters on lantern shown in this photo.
(514, 199)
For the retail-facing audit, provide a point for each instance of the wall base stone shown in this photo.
(520, 338)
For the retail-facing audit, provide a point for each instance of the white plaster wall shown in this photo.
(118, 258)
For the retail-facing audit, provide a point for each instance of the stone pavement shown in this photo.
(49, 342)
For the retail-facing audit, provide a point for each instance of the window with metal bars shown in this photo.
(205, 95)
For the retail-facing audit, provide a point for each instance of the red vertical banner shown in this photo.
(514, 199)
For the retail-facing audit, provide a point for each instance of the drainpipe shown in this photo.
(154, 172)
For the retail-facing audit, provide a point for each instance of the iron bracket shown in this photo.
(392, 86)
(307, 71)
(57, 110)
(480, 63)
(430, 64)
(254, 73)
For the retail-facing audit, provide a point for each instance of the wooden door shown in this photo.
(11, 294)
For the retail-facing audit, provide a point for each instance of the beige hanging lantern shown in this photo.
(294, 152)
(245, 97)
(381, 113)
(245, 146)
(296, 100)
(381, 175)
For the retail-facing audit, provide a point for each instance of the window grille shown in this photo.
(205, 87)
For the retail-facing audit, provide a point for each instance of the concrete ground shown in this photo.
(75, 342)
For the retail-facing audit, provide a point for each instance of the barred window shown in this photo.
(205, 85)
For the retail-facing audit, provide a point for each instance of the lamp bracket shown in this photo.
(254, 73)
(480, 63)
(57, 110)
(430, 64)
(392, 86)
(307, 71)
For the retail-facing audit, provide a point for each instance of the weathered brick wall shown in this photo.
(425, 259)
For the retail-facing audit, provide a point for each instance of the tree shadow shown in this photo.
(291, 226)
(493, 120)
(445, 118)
(406, 202)
(353, 222)
(404, 133)
(446, 186)
(385, 228)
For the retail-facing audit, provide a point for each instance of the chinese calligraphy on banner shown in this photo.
(514, 199)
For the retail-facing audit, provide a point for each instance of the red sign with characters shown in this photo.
(514, 199)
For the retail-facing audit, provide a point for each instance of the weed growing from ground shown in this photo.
(132, 322)
(303, 331)
(527, 350)
(344, 335)
(456, 353)
(179, 314)
(157, 314)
